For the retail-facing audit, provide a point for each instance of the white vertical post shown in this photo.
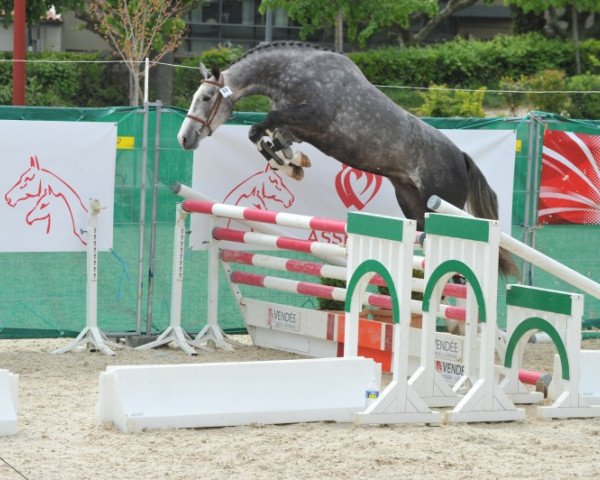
(212, 333)
(213, 280)
(146, 79)
(91, 296)
(174, 332)
(178, 266)
(91, 334)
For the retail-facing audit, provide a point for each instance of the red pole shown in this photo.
(19, 53)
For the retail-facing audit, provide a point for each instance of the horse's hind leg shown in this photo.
(411, 202)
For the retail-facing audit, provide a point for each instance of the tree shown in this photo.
(565, 18)
(139, 29)
(312, 15)
(409, 22)
(363, 18)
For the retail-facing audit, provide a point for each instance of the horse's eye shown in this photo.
(206, 98)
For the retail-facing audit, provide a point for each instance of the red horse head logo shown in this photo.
(264, 190)
(50, 193)
(355, 187)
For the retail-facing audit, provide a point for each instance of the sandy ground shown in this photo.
(59, 439)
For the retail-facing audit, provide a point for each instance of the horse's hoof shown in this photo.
(301, 160)
(297, 172)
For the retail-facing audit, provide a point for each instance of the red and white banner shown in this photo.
(228, 169)
(50, 171)
(570, 179)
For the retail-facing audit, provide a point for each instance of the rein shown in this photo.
(215, 108)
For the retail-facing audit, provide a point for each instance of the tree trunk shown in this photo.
(338, 44)
(575, 32)
(134, 86)
(131, 89)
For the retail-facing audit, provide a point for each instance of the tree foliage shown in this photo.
(559, 15)
(363, 18)
(408, 22)
(565, 18)
(539, 6)
(139, 29)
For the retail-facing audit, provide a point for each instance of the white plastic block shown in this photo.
(589, 377)
(226, 394)
(9, 388)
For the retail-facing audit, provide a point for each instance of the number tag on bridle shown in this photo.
(225, 91)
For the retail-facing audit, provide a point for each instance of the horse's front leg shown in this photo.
(277, 148)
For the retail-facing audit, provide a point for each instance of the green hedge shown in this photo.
(67, 84)
(492, 64)
(472, 64)
(584, 105)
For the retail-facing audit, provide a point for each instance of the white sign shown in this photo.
(229, 169)
(50, 172)
(449, 348)
(283, 318)
(450, 372)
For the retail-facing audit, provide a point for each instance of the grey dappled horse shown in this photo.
(322, 98)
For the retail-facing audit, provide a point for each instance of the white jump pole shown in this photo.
(526, 252)
(174, 332)
(91, 334)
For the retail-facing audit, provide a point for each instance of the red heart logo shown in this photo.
(355, 187)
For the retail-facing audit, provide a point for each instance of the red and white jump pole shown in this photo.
(324, 270)
(335, 293)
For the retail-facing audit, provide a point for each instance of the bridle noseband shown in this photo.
(215, 108)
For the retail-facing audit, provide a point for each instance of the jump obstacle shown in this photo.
(453, 245)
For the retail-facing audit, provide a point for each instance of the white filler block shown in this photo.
(240, 393)
(9, 387)
(589, 377)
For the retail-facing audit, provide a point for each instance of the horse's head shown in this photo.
(210, 108)
(29, 184)
(41, 211)
(274, 189)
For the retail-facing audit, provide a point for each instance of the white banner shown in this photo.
(228, 169)
(50, 171)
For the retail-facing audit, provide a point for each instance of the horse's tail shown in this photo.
(483, 203)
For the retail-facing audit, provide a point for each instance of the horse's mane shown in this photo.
(281, 44)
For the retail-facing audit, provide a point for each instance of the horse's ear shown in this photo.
(204, 71)
(34, 163)
(214, 69)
